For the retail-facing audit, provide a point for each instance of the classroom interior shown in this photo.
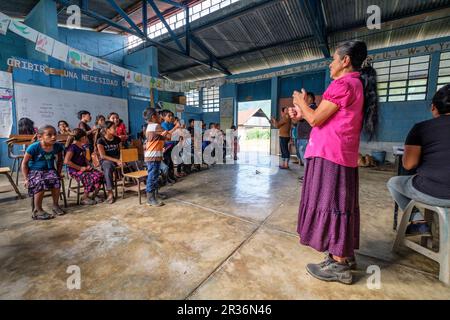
(226, 231)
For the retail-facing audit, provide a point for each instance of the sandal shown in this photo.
(88, 202)
(110, 200)
(58, 211)
(42, 215)
(99, 200)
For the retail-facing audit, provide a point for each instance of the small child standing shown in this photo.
(154, 154)
(80, 170)
(38, 169)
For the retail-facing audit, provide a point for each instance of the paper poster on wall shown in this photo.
(102, 65)
(23, 30)
(226, 113)
(137, 78)
(74, 57)
(4, 23)
(129, 76)
(6, 80)
(5, 118)
(159, 84)
(118, 70)
(87, 61)
(60, 51)
(145, 80)
(6, 94)
(44, 44)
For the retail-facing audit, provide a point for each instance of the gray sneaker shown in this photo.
(160, 196)
(351, 262)
(152, 201)
(330, 270)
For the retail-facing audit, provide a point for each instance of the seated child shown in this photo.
(80, 170)
(109, 146)
(85, 117)
(38, 169)
(99, 122)
(63, 127)
(121, 129)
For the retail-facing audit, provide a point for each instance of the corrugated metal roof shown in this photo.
(278, 28)
(251, 35)
(413, 29)
(20, 9)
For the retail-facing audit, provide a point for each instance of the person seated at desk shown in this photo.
(427, 149)
(63, 127)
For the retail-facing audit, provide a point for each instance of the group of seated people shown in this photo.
(100, 144)
(92, 154)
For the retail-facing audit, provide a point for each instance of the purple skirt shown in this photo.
(328, 217)
(44, 180)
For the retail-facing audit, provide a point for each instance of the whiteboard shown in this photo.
(46, 105)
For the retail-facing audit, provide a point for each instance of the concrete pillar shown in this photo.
(434, 74)
(274, 110)
(43, 18)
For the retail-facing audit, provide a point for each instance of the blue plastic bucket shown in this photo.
(379, 156)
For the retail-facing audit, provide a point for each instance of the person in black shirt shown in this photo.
(427, 149)
(85, 117)
(109, 149)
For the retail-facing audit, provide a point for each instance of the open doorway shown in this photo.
(254, 126)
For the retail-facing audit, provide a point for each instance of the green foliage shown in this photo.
(258, 134)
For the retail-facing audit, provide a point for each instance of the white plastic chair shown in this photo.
(443, 256)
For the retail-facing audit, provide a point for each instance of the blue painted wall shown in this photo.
(314, 82)
(48, 26)
(396, 118)
(254, 91)
(11, 45)
(43, 18)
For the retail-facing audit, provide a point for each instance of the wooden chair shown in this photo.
(18, 140)
(6, 171)
(62, 195)
(443, 256)
(79, 189)
(131, 156)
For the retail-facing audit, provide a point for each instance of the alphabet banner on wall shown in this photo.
(60, 51)
(75, 58)
(23, 30)
(87, 62)
(102, 65)
(5, 118)
(4, 23)
(226, 113)
(44, 44)
(6, 80)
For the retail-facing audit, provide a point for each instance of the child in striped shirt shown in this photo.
(154, 149)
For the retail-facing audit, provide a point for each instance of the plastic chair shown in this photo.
(443, 256)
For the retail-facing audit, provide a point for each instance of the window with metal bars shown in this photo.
(403, 79)
(210, 101)
(444, 70)
(192, 99)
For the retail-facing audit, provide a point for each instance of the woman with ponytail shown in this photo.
(329, 209)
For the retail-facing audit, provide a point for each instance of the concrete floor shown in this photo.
(226, 233)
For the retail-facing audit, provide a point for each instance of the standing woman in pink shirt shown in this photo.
(329, 209)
